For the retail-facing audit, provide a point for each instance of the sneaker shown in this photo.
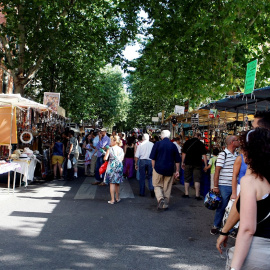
(214, 230)
(160, 204)
(198, 198)
(185, 196)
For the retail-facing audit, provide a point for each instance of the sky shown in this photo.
(131, 52)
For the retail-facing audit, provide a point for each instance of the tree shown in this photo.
(36, 30)
(198, 50)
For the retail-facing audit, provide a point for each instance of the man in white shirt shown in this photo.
(143, 152)
(223, 178)
(177, 142)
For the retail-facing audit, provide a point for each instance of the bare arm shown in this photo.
(205, 163)
(183, 160)
(216, 178)
(136, 163)
(153, 163)
(248, 221)
(70, 149)
(207, 167)
(106, 155)
(135, 148)
(176, 174)
(205, 160)
(236, 170)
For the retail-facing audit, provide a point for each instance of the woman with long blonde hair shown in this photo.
(114, 172)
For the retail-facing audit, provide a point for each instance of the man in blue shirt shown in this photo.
(104, 141)
(164, 156)
(95, 141)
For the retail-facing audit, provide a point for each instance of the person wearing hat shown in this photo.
(101, 148)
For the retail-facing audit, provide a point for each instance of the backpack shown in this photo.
(224, 158)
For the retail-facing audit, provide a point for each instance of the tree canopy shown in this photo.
(37, 30)
(198, 50)
(193, 50)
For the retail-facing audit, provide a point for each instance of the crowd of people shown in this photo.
(238, 171)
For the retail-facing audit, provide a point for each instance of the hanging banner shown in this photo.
(195, 119)
(179, 109)
(8, 126)
(155, 119)
(212, 113)
(250, 76)
(52, 100)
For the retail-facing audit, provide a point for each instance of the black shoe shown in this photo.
(141, 195)
(214, 230)
(152, 193)
(198, 198)
(185, 196)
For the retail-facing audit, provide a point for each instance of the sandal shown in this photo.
(110, 202)
(118, 200)
(102, 184)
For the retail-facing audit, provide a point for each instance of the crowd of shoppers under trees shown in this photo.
(240, 170)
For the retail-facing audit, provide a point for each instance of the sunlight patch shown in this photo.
(184, 266)
(149, 248)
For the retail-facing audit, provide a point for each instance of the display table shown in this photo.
(27, 169)
(6, 168)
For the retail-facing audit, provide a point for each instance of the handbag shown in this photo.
(103, 167)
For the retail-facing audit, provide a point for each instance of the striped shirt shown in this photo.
(226, 173)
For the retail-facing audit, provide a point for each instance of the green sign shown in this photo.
(250, 76)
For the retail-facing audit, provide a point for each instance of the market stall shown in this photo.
(219, 119)
(27, 125)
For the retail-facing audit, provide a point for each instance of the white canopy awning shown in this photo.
(17, 100)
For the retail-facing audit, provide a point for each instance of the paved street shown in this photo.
(70, 225)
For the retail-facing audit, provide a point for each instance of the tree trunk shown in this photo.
(18, 86)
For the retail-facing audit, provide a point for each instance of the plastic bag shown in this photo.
(227, 211)
(103, 167)
(69, 164)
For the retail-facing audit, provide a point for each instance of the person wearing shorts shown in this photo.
(192, 153)
(58, 157)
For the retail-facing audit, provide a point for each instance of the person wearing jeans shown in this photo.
(145, 166)
(225, 192)
(223, 179)
(143, 152)
(104, 141)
